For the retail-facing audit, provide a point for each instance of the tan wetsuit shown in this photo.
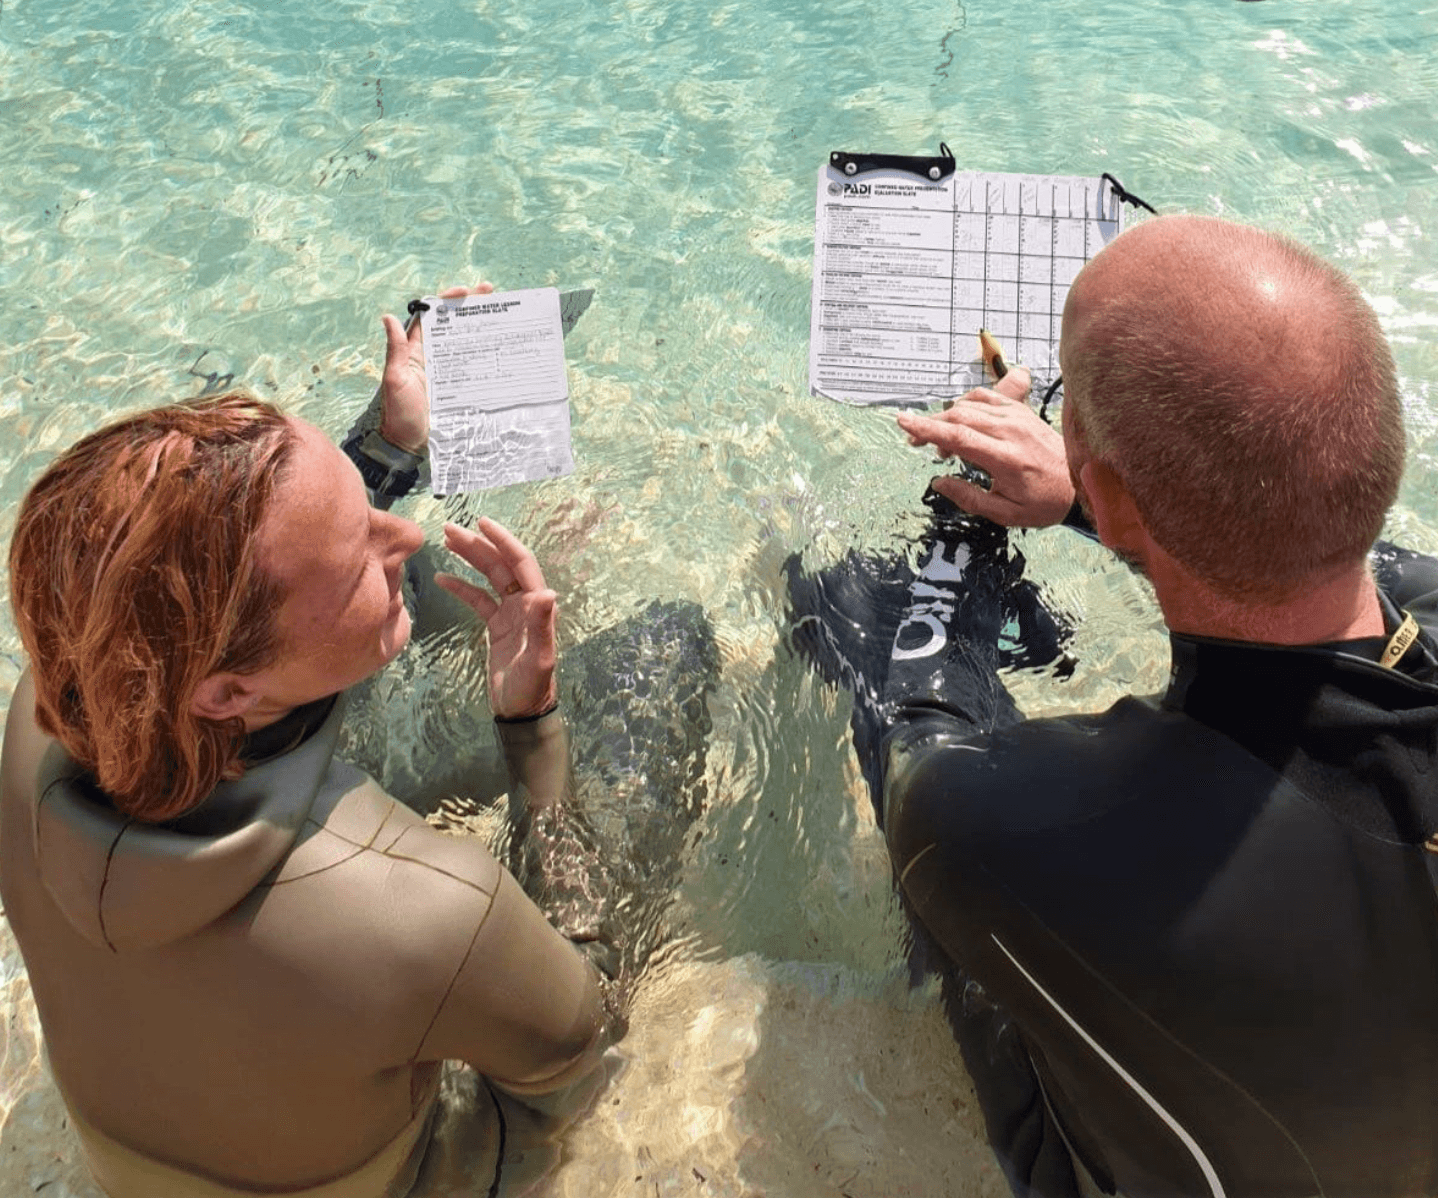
(257, 997)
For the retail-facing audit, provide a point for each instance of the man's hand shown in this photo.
(404, 407)
(520, 622)
(996, 430)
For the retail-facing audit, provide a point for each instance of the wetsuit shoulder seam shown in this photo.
(454, 979)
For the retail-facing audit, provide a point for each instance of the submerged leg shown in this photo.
(603, 866)
(875, 627)
(939, 635)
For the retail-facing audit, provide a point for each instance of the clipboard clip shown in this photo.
(1124, 196)
(932, 169)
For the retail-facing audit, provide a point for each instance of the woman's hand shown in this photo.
(404, 405)
(521, 621)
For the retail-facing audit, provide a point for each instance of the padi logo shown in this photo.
(850, 189)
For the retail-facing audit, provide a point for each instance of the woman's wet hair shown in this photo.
(134, 575)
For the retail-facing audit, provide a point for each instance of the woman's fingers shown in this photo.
(483, 603)
(540, 610)
(480, 288)
(396, 344)
(536, 611)
(522, 563)
(497, 554)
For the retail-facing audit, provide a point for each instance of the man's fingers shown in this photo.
(976, 500)
(1015, 384)
(977, 398)
(480, 552)
(992, 420)
(924, 430)
(943, 428)
(959, 439)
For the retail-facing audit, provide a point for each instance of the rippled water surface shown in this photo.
(192, 192)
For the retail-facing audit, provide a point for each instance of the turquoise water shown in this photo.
(189, 192)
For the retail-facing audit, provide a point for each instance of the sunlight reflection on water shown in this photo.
(241, 189)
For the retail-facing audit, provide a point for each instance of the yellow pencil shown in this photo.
(992, 355)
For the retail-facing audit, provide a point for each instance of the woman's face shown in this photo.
(339, 563)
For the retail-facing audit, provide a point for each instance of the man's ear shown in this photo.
(1115, 517)
(224, 696)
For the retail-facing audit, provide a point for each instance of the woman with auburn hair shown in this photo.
(125, 623)
(249, 961)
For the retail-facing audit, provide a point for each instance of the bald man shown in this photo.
(1194, 939)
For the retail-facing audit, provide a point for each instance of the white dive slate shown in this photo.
(498, 391)
(908, 266)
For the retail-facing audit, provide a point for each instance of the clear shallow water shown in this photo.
(192, 191)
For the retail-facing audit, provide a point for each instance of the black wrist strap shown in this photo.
(527, 719)
(388, 471)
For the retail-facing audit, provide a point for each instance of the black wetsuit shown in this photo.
(1196, 936)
